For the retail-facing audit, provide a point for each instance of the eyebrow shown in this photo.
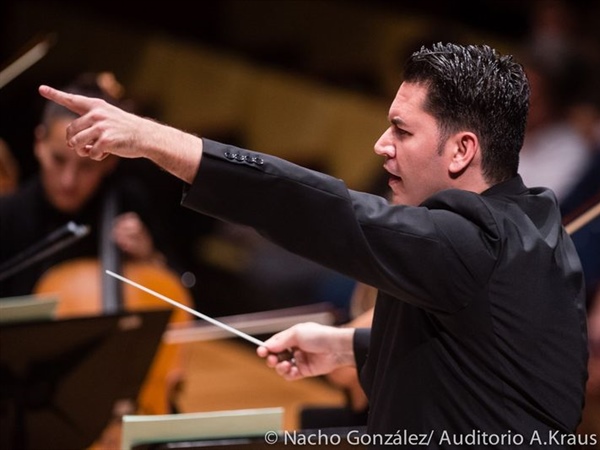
(397, 121)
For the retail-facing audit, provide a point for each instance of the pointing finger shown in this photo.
(76, 103)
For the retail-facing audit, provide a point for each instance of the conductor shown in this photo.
(479, 330)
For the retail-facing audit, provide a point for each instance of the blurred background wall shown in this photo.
(302, 78)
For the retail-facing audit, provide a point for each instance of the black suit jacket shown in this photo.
(479, 329)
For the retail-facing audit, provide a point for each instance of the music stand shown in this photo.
(60, 380)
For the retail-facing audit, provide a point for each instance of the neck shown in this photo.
(470, 182)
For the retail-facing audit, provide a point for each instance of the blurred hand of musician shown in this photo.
(134, 239)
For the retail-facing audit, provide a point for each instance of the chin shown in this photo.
(397, 199)
(67, 207)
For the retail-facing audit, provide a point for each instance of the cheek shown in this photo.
(45, 161)
(415, 162)
(51, 174)
(90, 182)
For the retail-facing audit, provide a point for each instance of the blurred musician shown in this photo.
(70, 188)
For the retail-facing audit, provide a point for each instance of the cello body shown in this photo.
(78, 286)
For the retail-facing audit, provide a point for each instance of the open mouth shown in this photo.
(394, 179)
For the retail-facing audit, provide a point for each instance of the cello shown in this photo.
(84, 289)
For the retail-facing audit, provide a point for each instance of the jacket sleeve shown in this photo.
(397, 249)
(361, 340)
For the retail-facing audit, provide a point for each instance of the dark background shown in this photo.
(78, 48)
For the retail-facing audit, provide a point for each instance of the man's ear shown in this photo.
(465, 150)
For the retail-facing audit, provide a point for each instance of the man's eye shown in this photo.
(58, 159)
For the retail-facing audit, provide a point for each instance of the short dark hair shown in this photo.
(475, 88)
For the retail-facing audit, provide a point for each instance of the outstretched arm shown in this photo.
(104, 129)
(318, 349)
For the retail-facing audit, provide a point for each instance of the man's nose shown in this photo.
(384, 145)
(68, 177)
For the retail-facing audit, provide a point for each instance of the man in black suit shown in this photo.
(479, 333)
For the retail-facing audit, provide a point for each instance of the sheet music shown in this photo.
(145, 429)
(27, 308)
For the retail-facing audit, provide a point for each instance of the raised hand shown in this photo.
(104, 129)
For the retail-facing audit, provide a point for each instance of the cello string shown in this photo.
(189, 310)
